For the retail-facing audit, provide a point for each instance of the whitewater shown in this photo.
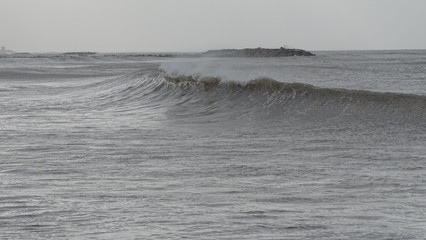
(331, 146)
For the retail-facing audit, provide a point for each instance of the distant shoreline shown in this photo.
(86, 54)
(257, 52)
(246, 52)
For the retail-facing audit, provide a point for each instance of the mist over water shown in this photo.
(384, 71)
(325, 147)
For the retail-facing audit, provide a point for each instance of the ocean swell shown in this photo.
(213, 99)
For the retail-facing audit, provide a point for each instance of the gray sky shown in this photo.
(199, 25)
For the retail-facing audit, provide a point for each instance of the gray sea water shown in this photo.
(119, 147)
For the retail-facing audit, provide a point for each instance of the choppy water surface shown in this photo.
(325, 147)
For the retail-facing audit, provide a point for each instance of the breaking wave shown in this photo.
(210, 98)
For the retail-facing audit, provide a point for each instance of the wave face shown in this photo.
(212, 99)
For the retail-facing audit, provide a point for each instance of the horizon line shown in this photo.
(178, 51)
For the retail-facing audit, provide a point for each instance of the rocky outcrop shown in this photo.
(81, 54)
(257, 52)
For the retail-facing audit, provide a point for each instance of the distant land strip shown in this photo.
(244, 53)
(257, 52)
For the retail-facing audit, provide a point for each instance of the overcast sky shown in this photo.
(199, 25)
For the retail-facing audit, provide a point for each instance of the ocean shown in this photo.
(132, 147)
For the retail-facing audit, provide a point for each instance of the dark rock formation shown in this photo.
(82, 54)
(257, 52)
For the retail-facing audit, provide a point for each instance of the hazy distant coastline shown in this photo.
(257, 52)
(246, 52)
